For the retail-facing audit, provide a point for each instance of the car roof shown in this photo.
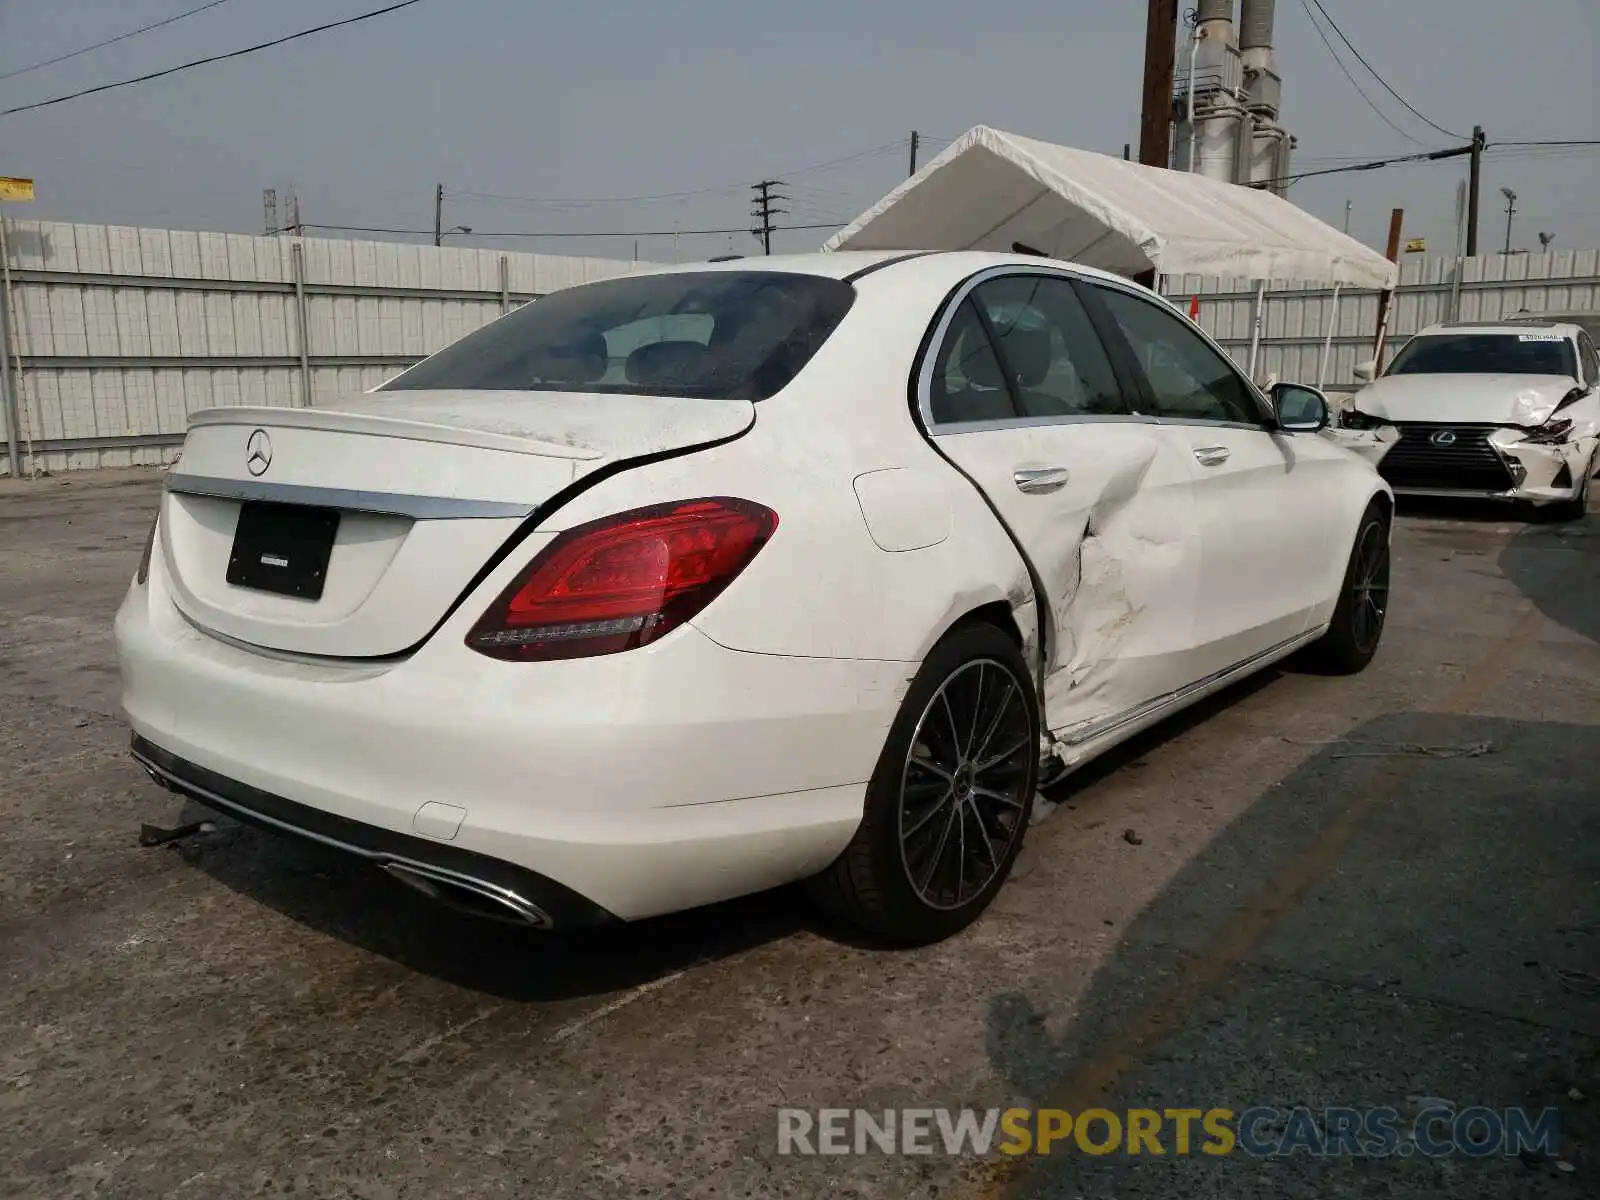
(842, 264)
(1506, 326)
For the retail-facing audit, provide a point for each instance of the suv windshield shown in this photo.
(726, 335)
(1486, 354)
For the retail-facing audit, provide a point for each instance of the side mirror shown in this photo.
(1300, 409)
(1367, 371)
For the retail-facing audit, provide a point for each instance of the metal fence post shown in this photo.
(505, 285)
(297, 252)
(1327, 343)
(1257, 317)
(7, 392)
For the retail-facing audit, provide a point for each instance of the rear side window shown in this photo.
(726, 335)
(1052, 355)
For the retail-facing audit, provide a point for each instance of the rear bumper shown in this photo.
(504, 888)
(629, 785)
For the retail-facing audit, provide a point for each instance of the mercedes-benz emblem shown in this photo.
(1445, 437)
(258, 453)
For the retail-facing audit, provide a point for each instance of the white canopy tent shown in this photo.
(991, 190)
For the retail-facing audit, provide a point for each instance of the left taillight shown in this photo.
(143, 574)
(623, 581)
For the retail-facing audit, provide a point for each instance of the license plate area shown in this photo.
(283, 548)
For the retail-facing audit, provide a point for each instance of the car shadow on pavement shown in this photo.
(349, 899)
(1412, 913)
(1570, 598)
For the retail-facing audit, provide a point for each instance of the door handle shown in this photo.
(1211, 456)
(1035, 480)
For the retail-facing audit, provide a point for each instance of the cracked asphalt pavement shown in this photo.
(1350, 892)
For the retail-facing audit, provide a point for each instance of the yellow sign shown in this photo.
(1417, 246)
(20, 190)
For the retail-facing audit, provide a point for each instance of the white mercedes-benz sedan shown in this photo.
(1507, 411)
(678, 586)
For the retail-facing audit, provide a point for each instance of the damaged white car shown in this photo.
(674, 587)
(1507, 411)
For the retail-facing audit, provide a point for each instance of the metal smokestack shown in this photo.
(1214, 10)
(1255, 33)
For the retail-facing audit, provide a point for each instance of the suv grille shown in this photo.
(1469, 463)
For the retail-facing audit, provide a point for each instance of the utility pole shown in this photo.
(294, 213)
(1127, 151)
(1397, 219)
(1160, 56)
(269, 210)
(916, 144)
(764, 211)
(1474, 182)
(1511, 211)
(438, 214)
(1348, 205)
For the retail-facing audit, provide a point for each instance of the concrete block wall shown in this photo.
(1296, 316)
(124, 332)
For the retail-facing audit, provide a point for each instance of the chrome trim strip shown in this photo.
(493, 891)
(959, 427)
(1104, 725)
(396, 504)
(1457, 493)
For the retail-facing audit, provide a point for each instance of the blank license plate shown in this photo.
(283, 548)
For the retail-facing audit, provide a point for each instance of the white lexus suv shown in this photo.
(1507, 411)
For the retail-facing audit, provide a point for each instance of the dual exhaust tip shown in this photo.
(468, 895)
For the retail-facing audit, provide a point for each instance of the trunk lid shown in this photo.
(1525, 400)
(426, 487)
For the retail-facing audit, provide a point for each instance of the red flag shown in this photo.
(1194, 309)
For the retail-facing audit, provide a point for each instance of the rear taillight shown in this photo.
(623, 581)
(143, 573)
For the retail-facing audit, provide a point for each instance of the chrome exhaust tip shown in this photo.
(469, 895)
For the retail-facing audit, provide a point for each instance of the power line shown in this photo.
(1359, 58)
(121, 37)
(556, 202)
(1375, 164)
(599, 233)
(1339, 62)
(200, 62)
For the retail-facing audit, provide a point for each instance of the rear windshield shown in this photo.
(726, 335)
(1486, 354)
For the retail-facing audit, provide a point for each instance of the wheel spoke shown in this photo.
(927, 764)
(1004, 798)
(983, 768)
(994, 722)
(969, 750)
(938, 853)
(922, 822)
(950, 720)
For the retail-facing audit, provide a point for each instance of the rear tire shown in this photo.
(949, 802)
(1357, 626)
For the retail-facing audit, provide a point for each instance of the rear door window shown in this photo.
(733, 335)
(1051, 352)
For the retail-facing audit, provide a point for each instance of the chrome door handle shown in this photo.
(1211, 456)
(1035, 480)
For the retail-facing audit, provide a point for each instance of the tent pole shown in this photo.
(1327, 343)
(1255, 326)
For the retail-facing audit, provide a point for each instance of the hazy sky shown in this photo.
(623, 98)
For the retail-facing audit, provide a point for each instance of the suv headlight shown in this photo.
(1352, 418)
(1550, 432)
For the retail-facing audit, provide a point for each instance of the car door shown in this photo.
(1019, 393)
(1265, 500)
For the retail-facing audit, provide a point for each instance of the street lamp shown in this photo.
(456, 229)
(1511, 211)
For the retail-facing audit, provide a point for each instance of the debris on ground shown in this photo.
(1132, 838)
